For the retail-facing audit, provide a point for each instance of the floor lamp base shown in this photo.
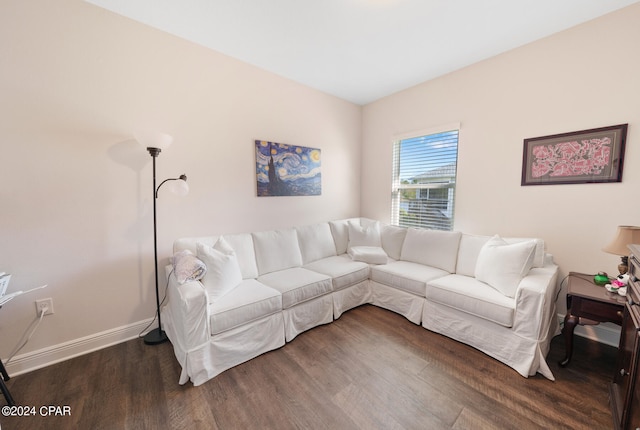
(155, 337)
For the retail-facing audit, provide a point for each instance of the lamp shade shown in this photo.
(626, 235)
(181, 187)
(153, 139)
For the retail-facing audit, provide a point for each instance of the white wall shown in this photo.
(76, 81)
(582, 78)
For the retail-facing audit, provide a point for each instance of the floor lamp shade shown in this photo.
(153, 139)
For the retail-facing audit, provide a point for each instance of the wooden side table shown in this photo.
(588, 304)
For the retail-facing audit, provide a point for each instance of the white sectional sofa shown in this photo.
(234, 297)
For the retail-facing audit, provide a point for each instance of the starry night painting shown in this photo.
(287, 170)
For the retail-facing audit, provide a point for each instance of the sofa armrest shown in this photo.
(188, 313)
(536, 302)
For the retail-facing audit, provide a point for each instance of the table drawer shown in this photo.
(597, 311)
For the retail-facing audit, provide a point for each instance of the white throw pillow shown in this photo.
(364, 235)
(368, 254)
(223, 270)
(538, 255)
(503, 265)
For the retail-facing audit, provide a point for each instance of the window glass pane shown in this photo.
(424, 178)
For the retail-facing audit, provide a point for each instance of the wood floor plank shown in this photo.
(370, 369)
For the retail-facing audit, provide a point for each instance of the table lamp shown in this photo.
(625, 235)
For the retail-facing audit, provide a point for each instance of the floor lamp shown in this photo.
(159, 140)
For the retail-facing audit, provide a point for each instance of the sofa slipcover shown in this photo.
(298, 278)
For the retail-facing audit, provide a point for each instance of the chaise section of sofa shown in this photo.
(497, 295)
(515, 330)
(211, 336)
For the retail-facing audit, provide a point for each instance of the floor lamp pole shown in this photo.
(157, 335)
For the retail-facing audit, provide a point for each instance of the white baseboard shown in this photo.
(607, 333)
(33, 360)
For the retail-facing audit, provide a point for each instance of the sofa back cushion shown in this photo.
(364, 233)
(340, 233)
(276, 250)
(242, 244)
(433, 248)
(316, 242)
(392, 238)
(470, 246)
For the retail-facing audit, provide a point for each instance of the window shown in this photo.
(424, 180)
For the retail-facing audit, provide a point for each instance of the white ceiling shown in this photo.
(361, 50)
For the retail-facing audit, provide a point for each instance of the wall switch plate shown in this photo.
(44, 303)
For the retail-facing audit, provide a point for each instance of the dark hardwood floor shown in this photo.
(370, 369)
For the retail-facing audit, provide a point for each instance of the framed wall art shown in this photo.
(587, 156)
(287, 170)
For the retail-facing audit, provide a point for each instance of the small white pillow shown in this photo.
(223, 270)
(187, 267)
(368, 254)
(364, 235)
(503, 265)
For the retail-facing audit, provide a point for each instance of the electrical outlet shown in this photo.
(44, 304)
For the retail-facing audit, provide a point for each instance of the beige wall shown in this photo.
(582, 78)
(75, 82)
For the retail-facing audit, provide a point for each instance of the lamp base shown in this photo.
(155, 337)
(623, 267)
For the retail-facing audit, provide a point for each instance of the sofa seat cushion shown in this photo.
(247, 302)
(344, 272)
(297, 285)
(406, 276)
(469, 295)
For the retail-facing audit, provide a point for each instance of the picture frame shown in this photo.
(580, 157)
(287, 170)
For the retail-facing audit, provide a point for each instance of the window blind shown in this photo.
(424, 180)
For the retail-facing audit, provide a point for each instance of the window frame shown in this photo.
(398, 187)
